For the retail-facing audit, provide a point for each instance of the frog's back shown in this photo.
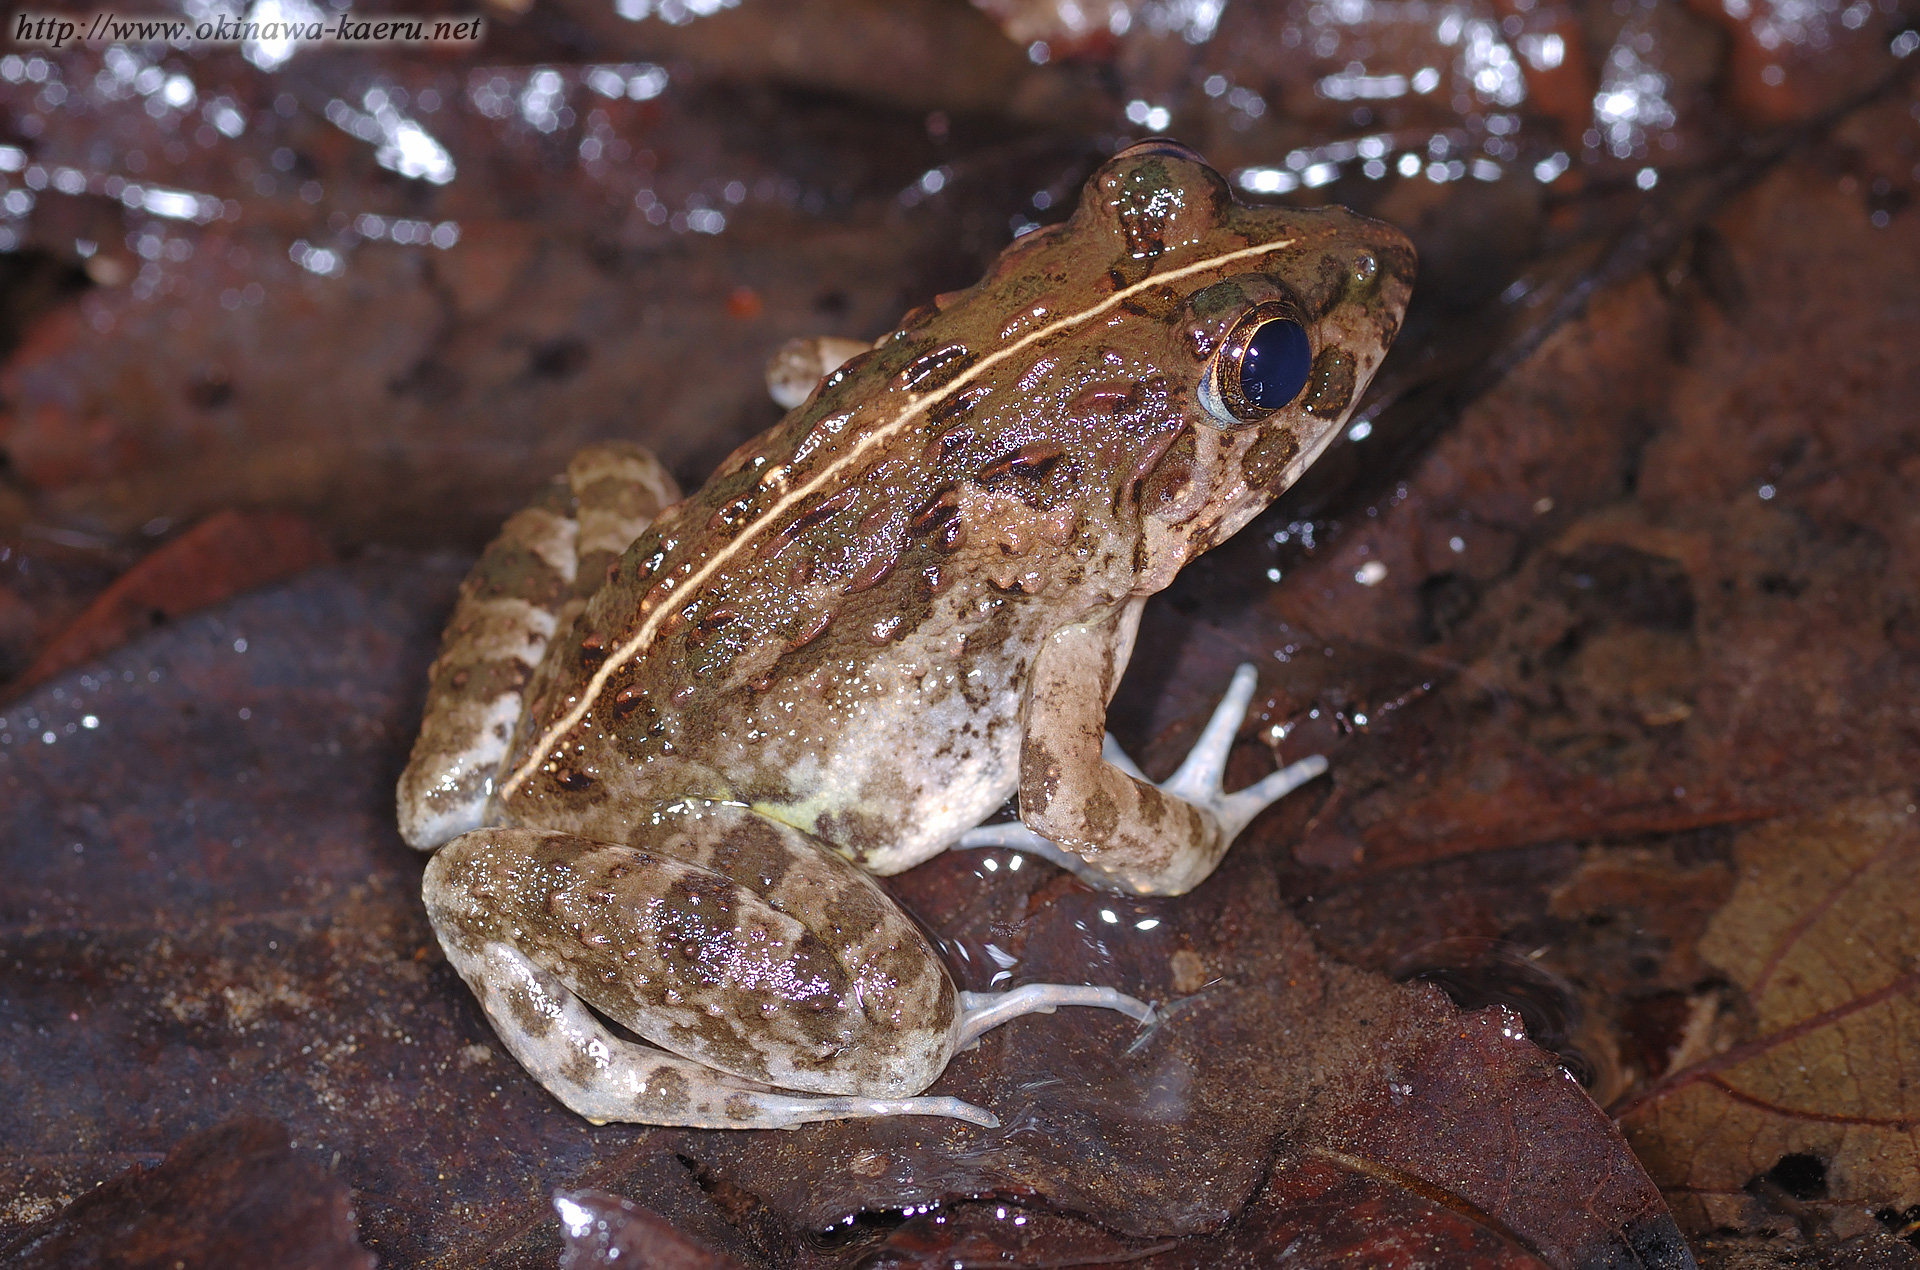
(837, 626)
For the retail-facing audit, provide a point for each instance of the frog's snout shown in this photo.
(1385, 258)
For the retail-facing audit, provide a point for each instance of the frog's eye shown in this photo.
(1259, 368)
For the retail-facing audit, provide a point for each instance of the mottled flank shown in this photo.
(678, 738)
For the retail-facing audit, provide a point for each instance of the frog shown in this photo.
(670, 743)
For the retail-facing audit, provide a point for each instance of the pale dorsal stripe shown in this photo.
(643, 637)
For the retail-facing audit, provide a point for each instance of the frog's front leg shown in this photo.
(1091, 809)
(778, 983)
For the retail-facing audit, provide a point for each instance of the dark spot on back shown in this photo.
(823, 510)
(942, 505)
(1101, 399)
(809, 628)
(931, 371)
(958, 406)
(1032, 460)
(875, 571)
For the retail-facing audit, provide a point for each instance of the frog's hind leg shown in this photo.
(605, 1077)
(778, 983)
(618, 489)
(505, 615)
(530, 582)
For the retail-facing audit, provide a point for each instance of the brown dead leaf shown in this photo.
(605, 1230)
(233, 1195)
(1822, 934)
(1311, 1213)
(204, 907)
(224, 554)
(226, 918)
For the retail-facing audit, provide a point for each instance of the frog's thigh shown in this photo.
(760, 961)
(497, 634)
(618, 488)
(1146, 840)
(529, 582)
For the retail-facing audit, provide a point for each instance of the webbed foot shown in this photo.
(1199, 779)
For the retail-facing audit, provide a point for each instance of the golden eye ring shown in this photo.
(1260, 367)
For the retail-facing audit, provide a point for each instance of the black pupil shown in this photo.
(1275, 365)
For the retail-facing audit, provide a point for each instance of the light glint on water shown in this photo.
(1632, 100)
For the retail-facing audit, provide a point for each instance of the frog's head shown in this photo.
(1245, 336)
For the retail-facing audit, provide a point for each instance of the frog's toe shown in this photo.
(1016, 836)
(983, 1011)
(802, 1109)
(1236, 811)
(1200, 777)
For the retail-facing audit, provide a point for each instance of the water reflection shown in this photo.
(1466, 92)
(209, 194)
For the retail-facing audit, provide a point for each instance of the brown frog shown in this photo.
(668, 741)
